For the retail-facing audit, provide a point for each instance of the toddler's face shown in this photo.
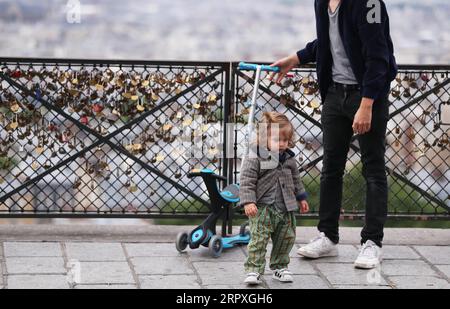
(280, 142)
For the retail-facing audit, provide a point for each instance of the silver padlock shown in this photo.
(444, 113)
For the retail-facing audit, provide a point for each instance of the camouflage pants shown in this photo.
(268, 224)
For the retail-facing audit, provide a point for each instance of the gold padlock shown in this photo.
(39, 150)
(34, 165)
(15, 108)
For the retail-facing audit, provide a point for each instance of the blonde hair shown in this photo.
(284, 125)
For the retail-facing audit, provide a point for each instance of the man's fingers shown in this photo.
(355, 128)
(271, 75)
(361, 128)
(280, 77)
(275, 76)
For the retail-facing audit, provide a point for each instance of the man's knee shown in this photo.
(333, 167)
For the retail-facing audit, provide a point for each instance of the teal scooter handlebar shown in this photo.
(243, 66)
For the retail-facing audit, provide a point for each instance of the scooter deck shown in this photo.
(230, 242)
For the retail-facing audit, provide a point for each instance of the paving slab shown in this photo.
(445, 269)
(218, 272)
(419, 282)
(300, 282)
(32, 249)
(169, 282)
(162, 266)
(35, 265)
(399, 253)
(38, 282)
(151, 250)
(435, 254)
(102, 273)
(104, 287)
(86, 252)
(362, 287)
(238, 286)
(407, 268)
(347, 274)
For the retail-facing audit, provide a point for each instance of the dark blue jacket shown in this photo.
(368, 46)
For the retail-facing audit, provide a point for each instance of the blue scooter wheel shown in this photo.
(182, 241)
(215, 246)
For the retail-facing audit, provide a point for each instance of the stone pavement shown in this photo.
(89, 257)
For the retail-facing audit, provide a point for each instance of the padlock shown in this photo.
(444, 113)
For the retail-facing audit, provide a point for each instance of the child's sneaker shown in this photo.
(253, 279)
(282, 275)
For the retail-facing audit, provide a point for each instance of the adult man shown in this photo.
(355, 65)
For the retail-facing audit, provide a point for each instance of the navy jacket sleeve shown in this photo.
(374, 47)
(308, 54)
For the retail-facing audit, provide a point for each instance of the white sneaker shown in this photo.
(253, 279)
(320, 246)
(283, 275)
(369, 257)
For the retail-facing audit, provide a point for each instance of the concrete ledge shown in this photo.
(167, 233)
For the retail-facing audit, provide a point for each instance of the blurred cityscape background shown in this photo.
(202, 30)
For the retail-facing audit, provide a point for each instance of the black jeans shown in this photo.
(338, 111)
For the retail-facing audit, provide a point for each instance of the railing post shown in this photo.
(227, 171)
(230, 119)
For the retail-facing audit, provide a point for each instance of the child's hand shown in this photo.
(303, 205)
(250, 210)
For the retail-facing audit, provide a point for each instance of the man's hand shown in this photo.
(303, 205)
(285, 65)
(250, 210)
(363, 117)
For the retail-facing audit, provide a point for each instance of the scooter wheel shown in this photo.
(215, 246)
(182, 241)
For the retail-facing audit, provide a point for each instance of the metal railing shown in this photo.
(96, 138)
